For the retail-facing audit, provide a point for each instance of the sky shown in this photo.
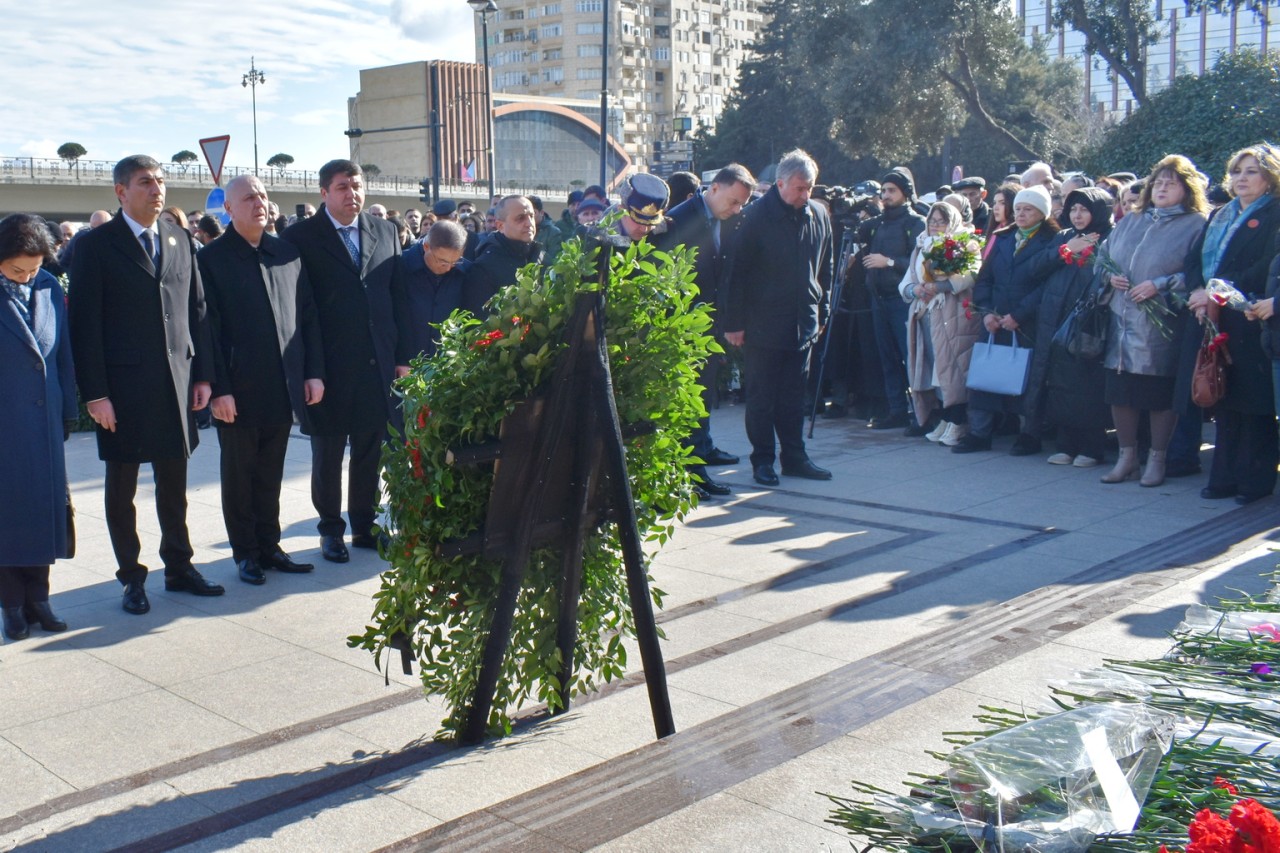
(127, 77)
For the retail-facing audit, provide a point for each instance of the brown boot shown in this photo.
(1154, 474)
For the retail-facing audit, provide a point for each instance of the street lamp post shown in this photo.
(484, 7)
(254, 79)
(604, 96)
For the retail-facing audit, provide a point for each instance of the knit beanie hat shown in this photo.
(901, 177)
(1037, 197)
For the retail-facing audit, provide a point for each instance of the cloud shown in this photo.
(162, 78)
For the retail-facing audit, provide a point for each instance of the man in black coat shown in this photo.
(502, 254)
(890, 239)
(707, 222)
(777, 303)
(434, 271)
(268, 366)
(975, 190)
(353, 262)
(140, 339)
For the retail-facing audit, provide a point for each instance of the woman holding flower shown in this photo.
(1237, 245)
(939, 335)
(1006, 296)
(1142, 262)
(1062, 389)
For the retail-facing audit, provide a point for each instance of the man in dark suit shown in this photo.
(776, 305)
(140, 339)
(503, 254)
(706, 222)
(353, 262)
(268, 366)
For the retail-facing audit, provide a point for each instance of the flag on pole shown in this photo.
(469, 173)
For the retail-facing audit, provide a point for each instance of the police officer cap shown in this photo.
(647, 198)
(444, 207)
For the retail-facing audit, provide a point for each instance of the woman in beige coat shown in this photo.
(941, 331)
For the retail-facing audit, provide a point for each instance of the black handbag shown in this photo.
(71, 527)
(1084, 333)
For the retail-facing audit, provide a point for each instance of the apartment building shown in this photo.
(672, 64)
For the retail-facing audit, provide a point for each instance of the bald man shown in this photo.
(268, 367)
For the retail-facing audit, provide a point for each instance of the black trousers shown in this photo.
(1245, 451)
(20, 584)
(121, 484)
(362, 485)
(776, 381)
(252, 471)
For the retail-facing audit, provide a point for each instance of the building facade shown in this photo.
(672, 64)
(1189, 44)
(541, 144)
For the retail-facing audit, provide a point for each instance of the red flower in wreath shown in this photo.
(1252, 223)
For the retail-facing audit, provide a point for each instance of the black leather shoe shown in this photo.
(1210, 493)
(835, 411)
(333, 549)
(1245, 500)
(702, 482)
(135, 598)
(805, 469)
(898, 421)
(250, 571)
(972, 444)
(917, 429)
(15, 624)
(190, 580)
(1025, 445)
(39, 612)
(368, 540)
(719, 457)
(764, 475)
(282, 562)
(1181, 469)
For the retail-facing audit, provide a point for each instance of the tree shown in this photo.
(1120, 31)
(184, 158)
(370, 169)
(280, 161)
(863, 78)
(71, 152)
(1206, 118)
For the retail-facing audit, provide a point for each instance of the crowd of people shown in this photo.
(166, 321)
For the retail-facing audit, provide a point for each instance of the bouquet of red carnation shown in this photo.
(1070, 258)
(1248, 828)
(954, 254)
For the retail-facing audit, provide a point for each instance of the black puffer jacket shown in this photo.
(892, 233)
(494, 268)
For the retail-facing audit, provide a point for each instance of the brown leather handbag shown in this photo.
(1209, 381)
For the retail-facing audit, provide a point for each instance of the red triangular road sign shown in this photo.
(215, 154)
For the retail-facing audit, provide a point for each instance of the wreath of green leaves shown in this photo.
(658, 338)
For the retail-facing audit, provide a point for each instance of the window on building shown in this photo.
(662, 54)
(589, 29)
(592, 73)
(659, 77)
(705, 37)
(589, 5)
(588, 50)
(552, 54)
(551, 9)
(553, 75)
(552, 31)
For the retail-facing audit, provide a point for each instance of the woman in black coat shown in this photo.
(33, 420)
(1238, 244)
(1061, 389)
(1006, 295)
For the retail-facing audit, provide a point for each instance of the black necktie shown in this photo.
(148, 246)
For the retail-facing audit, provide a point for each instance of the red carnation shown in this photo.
(1219, 782)
(1259, 827)
(1212, 834)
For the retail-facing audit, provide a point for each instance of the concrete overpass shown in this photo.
(60, 191)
